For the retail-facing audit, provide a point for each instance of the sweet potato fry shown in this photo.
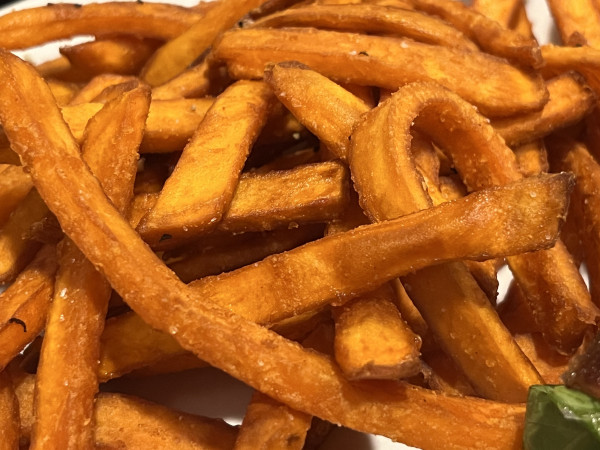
(556, 302)
(34, 26)
(315, 97)
(532, 158)
(487, 33)
(10, 424)
(180, 52)
(216, 154)
(66, 377)
(577, 21)
(502, 11)
(123, 55)
(584, 59)
(370, 19)
(393, 409)
(25, 304)
(368, 60)
(96, 85)
(570, 100)
(549, 363)
(572, 156)
(136, 423)
(240, 250)
(202, 79)
(372, 340)
(15, 184)
(270, 424)
(17, 246)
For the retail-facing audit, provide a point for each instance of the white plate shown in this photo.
(209, 392)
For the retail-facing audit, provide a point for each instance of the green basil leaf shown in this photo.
(559, 418)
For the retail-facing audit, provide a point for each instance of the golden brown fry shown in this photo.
(270, 424)
(180, 52)
(202, 79)
(372, 340)
(241, 250)
(549, 363)
(170, 124)
(216, 154)
(573, 156)
(17, 246)
(262, 359)
(15, 184)
(570, 100)
(487, 33)
(577, 21)
(136, 423)
(96, 85)
(25, 304)
(532, 158)
(66, 377)
(310, 193)
(63, 91)
(385, 62)
(10, 423)
(128, 343)
(123, 55)
(34, 26)
(502, 11)
(370, 19)
(583, 59)
(316, 97)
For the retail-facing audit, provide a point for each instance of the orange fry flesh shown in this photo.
(577, 21)
(367, 60)
(216, 154)
(319, 389)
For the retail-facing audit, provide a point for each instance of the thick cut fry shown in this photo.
(385, 62)
(97, 84)
(35, 26)
(197, 81)
(63, 91)
(487, 33)
(577, 21)
(25, 304)
(216, 154)
(502, 11)
(570, 100)
(263, 360)
(10, 422)
(180, 52)
(372, 341)
(316, 98)
(532, 158)
(370, 19)
(123, 420)
(170, 124)
(124, 55)
(573, 156)
(258, 203)
(584, 59)
(17, 246)
(15, 184)
(239, 251)
(66, 376)
(270, 424)
(549, 363)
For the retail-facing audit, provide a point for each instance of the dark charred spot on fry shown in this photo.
(364, 53)
(292, 439)
(20, 322)
(241, 24)
(164, 237)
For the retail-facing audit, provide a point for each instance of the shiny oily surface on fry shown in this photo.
(150, 442)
